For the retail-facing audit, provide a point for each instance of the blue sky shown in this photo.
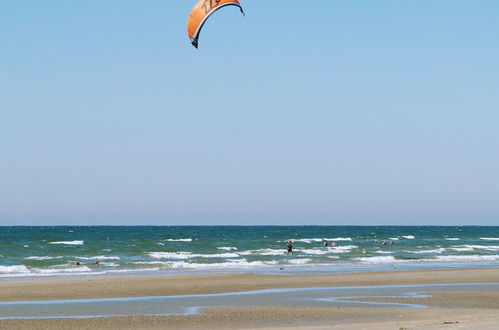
(316, 112)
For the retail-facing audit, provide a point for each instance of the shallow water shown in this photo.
(191, 304)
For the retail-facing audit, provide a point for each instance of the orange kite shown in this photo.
(200, 13)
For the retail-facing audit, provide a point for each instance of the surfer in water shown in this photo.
(290, 248)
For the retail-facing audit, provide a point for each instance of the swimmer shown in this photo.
(334, 244)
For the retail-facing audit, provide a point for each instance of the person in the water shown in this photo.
(290, 248)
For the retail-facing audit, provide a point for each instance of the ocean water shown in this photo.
(55, 251)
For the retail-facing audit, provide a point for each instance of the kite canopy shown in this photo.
(200, 13)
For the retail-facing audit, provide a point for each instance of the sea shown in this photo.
(68, 251)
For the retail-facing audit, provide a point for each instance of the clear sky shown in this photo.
(304, 112)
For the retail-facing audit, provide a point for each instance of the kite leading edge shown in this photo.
(201, 12)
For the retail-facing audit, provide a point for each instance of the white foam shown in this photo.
(451, 239)
(69, 242)
(310, 240)
(263, 252)
(329, 249)
(489, 238)
(342, 249)
(110, 264)
(188, 255)
(314, 251)
(170, 255)
(394, 238)
(16, 269)
(383, 252)
(237, 263)
(377, 260)
(483, 247)
(301, 261)
(100, 258)
(59, 271)
(43, 258)
(217, 255)
(441, 250)
(466, 258)
(409, 237)
(227, 248)
(462, 249)
(179, 240)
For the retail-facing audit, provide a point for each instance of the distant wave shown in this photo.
(227, 248)
(377, 260)
(179, 240)
(409, 237)
(452, 239)
(69, 242)
(466, 258)
(189, 255)
(310, 240)
(43, 258)
(489, 238)
(100, 258)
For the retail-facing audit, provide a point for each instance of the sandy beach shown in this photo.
(456, 310)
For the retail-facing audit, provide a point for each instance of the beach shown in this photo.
(456, 310)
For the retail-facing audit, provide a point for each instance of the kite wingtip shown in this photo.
(195, 43)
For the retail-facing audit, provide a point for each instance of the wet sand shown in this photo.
(167, 285)
(469, 309)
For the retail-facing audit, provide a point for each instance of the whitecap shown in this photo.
(15, 269)
(310, 240)
(451, 239)
(483, 247)
(69, 242)
(489, 238)
(313, 251)
(263, 252)
(179, 240)
(99, 258)
(227, 248)
(42, 258)
(170, 255)
(441, 250)
(237, 263)
(377, 260)
(467, 258)
(300, 261)
(60, 271)
(409, 237)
